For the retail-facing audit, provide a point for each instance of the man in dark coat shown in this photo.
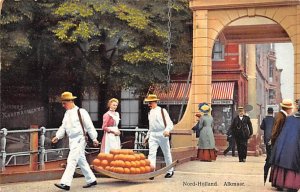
(242, 130)
(267, 125)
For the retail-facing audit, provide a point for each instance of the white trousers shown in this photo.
(77, 156)
(158, 140)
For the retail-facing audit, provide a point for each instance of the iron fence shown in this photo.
(10, 158)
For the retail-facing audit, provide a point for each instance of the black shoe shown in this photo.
(151, 178)
(241, 160)
(169, 175)
(63, 186)
(90, 184)
(224, 154)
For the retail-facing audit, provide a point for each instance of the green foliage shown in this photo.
(102, 7)
(148, 54)
(74, 9)
(10, 19)
(96, 42)
(63, 29)
(136, 18)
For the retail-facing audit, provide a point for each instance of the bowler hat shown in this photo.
(270, 110)
(65, 96)
(151, 97)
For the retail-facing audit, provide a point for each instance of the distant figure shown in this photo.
(111, 119)
(287, 108)
(266, 126)
(206, 144)
(231, 143)
(285, 158)
(242, 130)
(71, 126)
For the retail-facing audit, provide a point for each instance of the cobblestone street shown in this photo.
(226, 174)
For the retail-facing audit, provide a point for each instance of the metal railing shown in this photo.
(140, 134)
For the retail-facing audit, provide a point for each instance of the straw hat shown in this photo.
(287, 103)
(151, 97)
(241, 108)
(65, 96)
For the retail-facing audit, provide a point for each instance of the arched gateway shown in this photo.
(280, 19)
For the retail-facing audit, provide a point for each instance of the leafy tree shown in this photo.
(121, 40)
(53, 45)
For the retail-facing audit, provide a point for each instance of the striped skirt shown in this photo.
(284, 178)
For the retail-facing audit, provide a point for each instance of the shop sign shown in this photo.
(222, 102)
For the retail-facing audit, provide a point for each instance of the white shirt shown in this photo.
(156, 122)
(71, 125)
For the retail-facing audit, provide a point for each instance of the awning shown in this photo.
(175, 95)
(222, 92)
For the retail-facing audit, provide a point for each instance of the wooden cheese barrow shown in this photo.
(131, 177)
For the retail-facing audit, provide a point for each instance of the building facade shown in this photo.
(268, 79)
(229, 83)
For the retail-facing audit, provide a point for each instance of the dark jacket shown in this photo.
(286, 149)
(229, 134)
(196, 129)
(277, 127)
(267, 125)
(237, 124)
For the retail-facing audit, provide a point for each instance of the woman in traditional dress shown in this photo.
(285, 156)
(111, 136)
(206, 144)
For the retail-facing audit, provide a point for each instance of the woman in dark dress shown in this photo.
(285, 158)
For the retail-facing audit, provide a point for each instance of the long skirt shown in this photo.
(207, 154)
(284, 178)
(110, 141)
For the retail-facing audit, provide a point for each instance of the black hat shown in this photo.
(270, 110)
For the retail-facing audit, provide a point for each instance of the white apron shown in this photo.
(111, 140)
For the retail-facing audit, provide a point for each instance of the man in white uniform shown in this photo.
(160, 126)
(77, 142)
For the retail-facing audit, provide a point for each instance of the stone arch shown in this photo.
(278, 15)
(207, 25)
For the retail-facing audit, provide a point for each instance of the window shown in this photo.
(129, 108)
(218, 51)
(271, 65)
(272, 95)
(90, 103)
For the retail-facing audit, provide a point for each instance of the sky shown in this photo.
(285, 61)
